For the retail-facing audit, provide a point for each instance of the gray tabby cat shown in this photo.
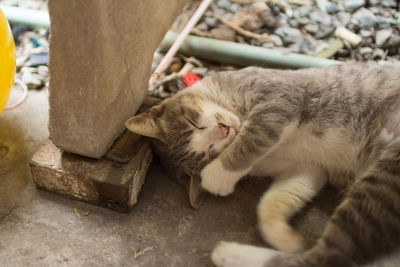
(305, 128)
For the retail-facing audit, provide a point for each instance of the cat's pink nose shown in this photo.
(224, 130)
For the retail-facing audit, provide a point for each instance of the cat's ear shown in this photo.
(146, 124)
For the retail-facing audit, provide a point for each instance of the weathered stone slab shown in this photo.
(100, 61)
(113, 181)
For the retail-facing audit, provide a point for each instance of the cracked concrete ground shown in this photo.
(42, 229)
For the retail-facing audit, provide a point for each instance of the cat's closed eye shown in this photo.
(194, 124)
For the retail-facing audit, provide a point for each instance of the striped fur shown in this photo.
(306, 128)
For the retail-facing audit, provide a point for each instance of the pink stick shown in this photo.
(178, 42)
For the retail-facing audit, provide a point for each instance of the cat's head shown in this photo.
(194, 128)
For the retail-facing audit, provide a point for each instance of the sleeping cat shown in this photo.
(305, 128)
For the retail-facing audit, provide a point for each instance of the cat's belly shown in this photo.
(392, 122)
(300, 150)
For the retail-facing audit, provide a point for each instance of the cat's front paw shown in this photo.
(217, 180)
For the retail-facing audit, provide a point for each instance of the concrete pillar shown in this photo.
(100, 59)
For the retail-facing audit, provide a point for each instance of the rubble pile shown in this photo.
(345, 30)
(308, 27)
(359, 30)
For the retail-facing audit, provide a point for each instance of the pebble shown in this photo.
(304, 11)
(335, 22)
(43, 71)
(211, 22)
(294, 23)
(394, 41)
(321, 46)
(20, 61)
(388, 3)
(365, 17)
(311, 28)
(259, 7)
(234, 8)
(365, 33)
(247, 19)
(290, 35)
(366, 50)
(219, 12)
(309, 45)
(240, 39)
(344, 18)
(223, 33)
(32, 81)
(384, 23)
(382, 36)
(374, 2)
(351, 5)
(203, 26)
(324, 31)
(276, 40)
(295, 47)
(333, 8)
(378, 54)
(320, 17)
(303, 21)
(224, 4)
(269, 20)
(322, 5)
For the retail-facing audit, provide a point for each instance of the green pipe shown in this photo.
(241, 54)
(34, 18)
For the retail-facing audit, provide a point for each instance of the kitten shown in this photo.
(305, 128)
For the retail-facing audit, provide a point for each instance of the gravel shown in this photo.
(306, 29)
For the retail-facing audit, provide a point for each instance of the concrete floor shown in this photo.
(42, 229)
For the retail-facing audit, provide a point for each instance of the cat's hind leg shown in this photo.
(284, 198)
(366, 226)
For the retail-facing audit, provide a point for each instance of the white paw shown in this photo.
(282, 236)
(217, 180)
(227, 254)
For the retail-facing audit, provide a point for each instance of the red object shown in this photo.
(190, 78)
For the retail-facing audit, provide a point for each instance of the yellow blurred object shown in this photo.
(7, 61)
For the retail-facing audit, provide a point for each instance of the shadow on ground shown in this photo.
(16, 187)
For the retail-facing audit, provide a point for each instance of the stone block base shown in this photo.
(113, 181)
